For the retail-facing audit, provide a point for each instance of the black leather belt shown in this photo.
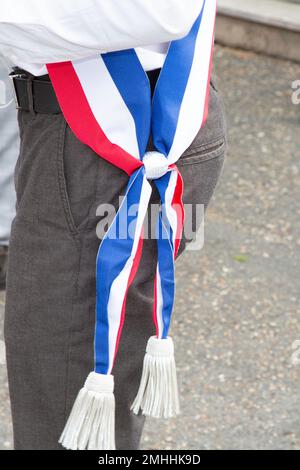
(34, 93)
(37, 93)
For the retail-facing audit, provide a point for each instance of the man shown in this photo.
(9, 149)
(49, 324)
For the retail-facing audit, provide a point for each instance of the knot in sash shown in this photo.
(156, 165)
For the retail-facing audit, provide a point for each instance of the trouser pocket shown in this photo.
(201, 173)
(201, 167)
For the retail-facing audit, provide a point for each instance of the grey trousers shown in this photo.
(50, 308)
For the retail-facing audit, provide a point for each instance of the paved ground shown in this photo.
(237, 312)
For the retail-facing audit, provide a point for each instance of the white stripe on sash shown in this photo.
(159, 304)
(107, 104)
(190, 121)
(170, 211)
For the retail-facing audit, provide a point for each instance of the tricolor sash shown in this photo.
(107, 102)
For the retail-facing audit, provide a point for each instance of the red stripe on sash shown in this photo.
(178, 206)
(155, 320)
(206, 109)
(79, 116)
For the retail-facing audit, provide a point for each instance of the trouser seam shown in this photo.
(70, 333)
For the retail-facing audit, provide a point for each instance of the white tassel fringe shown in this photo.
(158, 392)
(91, 425)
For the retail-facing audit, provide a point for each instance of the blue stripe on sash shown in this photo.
(166, 271)
(133, 85)
(162, 186)
(165, 250)
(174, 77)
(112, 257)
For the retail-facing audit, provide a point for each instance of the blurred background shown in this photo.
(239, 368)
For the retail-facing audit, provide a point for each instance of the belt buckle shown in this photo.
(12, 76)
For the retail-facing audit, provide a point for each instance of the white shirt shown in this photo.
(36, 32)
(9, 150)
